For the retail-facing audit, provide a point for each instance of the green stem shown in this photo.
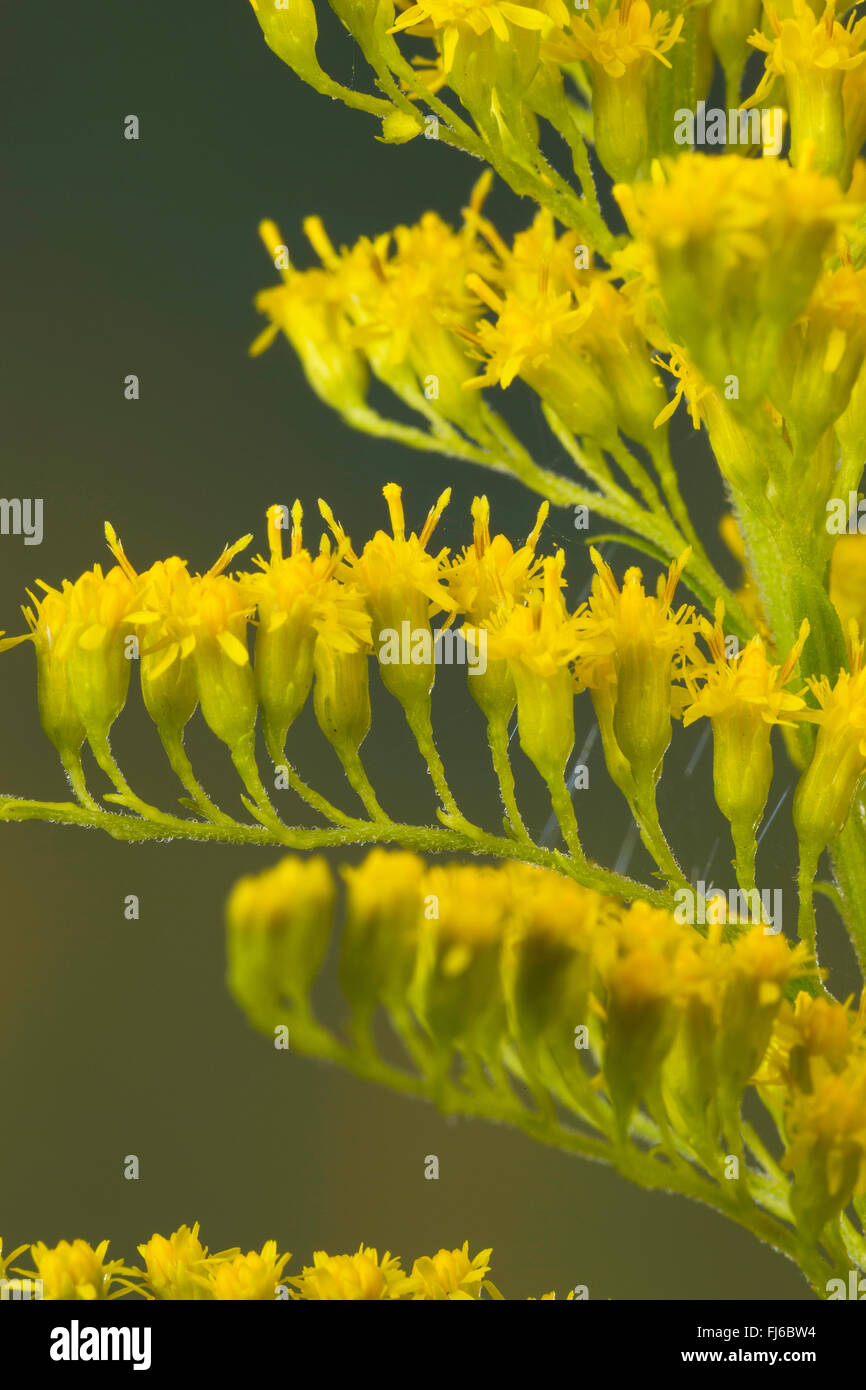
(306, 793)
(645, 812)
(848, 853)
(360, 783)
(659, 451)
(172, 742)
(497, 738)
(806, 926)
(563, 809)
(648, 1170)
(422, 838)
(637, 475)
(75, 772)
(745, 854)
(419, 721)
(103, 755)
(244, 759)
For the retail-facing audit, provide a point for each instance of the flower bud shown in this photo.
(456, 988)
(547, 965)
(279, 926)
(826, 790)
(291, 32)
(341, 696)
(384, 907)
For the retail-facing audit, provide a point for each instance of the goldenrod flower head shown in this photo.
(631, 624)
(812, 54)
(76, 1270)
(628, 34)
(619, 47)
(492, 575)
(736, 445)
(539, 640)
(491, 571)
(631, 645)
(538, 257)
(638, 933)
(79, 632)
(353, 1278)
(384, 905)
(737, 246)
(395, 302)
(826, 789)
(299, 600)
(459, 24)
(548, 961)
(744, 682)
(316, 324)
(743, 695)
(757, 968)
(536, 336)
(611, 337)
(456, 990)
(548, 905)
(826, 1129)
(203, 617)
(449, 1275)
(300, 588)
(767, 963)
(396, 572)
(406, 293)
(811, 1038)
(402, 583)
(279, 925)
(173, 1266)
(803, 41)
(341, 697)
(538, 634)
(848, 580)
(51, 634)
(566, 331)
(212, 621)
(832, 1116)
(822, 356)
(167, 624)
(639, 1011)
(246, 1278)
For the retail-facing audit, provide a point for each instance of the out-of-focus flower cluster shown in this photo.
(615, 1011)
(180, 1268)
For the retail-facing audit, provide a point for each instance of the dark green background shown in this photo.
(119, 1037)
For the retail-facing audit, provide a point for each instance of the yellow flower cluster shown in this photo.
(742, 279)
(820, 60)
(623, 1007)
(179, 1268)
(70, 1270)
(734, 248)
(317, 618)
(409, 307)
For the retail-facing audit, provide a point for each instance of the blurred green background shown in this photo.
(119, 1037)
